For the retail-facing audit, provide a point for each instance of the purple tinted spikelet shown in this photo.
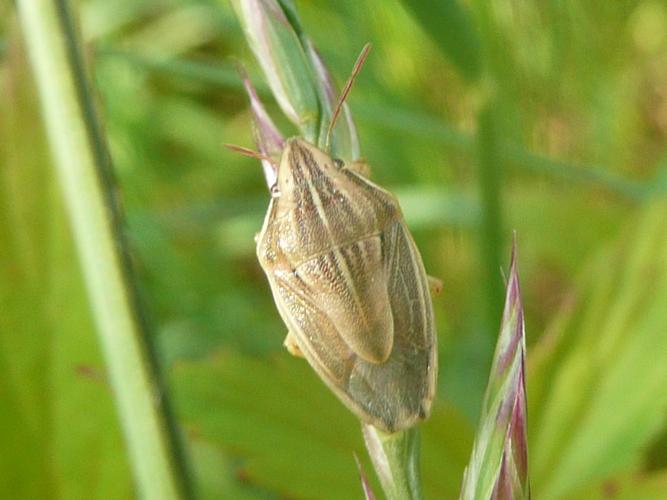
(268, 138)
(498, 466)
(368, 491)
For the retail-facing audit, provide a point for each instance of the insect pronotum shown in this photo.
(350, 285)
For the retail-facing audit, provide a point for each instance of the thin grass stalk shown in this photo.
(84, 171)
(395, 458)
(491, 223)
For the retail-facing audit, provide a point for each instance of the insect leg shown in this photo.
(435, 285)
(291, 345)
(360, 167)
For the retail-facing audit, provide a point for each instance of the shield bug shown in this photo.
(349, 283)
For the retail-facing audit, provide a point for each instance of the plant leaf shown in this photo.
(451, 27)
(54, 396)
(290, 435)
(598, 378)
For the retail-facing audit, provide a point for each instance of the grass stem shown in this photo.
(395, 458)
(490, 192)
(84, 171)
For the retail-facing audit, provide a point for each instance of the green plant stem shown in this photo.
(491, 241)
(84, 172)
(395, 458)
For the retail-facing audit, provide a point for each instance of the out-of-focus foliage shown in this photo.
(598, 378)
(57, 424)
(580, 129)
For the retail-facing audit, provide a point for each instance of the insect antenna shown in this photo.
(346, 91)
(251, 153)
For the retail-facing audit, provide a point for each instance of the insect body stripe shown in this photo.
(363, 205)
(307, 222)
(299, 214)
(310, 166)
(355, 212)
(370, 188)
(312, 189)
(339, 260)
(402, 240)
(417, 272)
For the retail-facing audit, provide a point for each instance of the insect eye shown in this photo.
(275, 192)
(338, 162)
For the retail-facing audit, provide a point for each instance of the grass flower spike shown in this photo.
(498, 467)
(268, 138)
(280, 53)
(298, 78)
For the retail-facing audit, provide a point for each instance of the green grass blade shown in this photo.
(598, 379)
(84, 171)
(44, 430)
(451, 27)
(490, 193)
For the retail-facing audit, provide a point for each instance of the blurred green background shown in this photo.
(544, 117)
